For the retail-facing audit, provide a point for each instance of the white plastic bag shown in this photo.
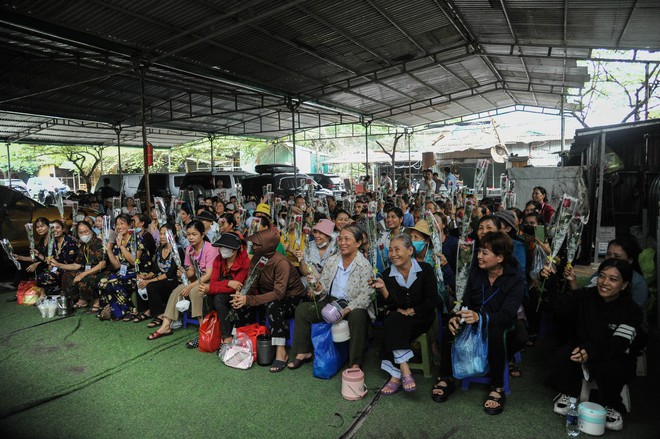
(239, 354)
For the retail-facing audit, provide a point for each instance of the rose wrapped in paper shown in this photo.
(7, 247)
(480, 174)
(463, 265)
(175, 255)
(159, 204)
(436, 240)
(132, 243)
(106, 232)
(29, 230)
(249, 283)
(59, 203)
(51, 240)
(297, 230)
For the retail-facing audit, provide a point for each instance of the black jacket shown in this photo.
(422, 295)
(503, 298)
(603, 329)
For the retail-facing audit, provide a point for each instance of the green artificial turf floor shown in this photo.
(78, 377)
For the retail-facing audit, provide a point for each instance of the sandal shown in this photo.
(93, 310)
(447, 389)
(408, 380)
(514, 371)
(297, 362)
(78, 305)
(500, 400)
(193, 344)
(155, 322)
(391, 387)
(128, 317)
(141, 318)
(278, 365)
(157, 334)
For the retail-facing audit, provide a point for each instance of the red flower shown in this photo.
(566, 203)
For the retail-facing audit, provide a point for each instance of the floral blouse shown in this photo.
(358, 289)
(66, 252)
(91, 253)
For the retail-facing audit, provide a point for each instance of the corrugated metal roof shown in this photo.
(231, 67)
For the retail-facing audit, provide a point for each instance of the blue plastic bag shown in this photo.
(469, 354)
(327, 359)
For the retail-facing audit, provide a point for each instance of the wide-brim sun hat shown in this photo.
(205, 216)
(422, 226)
(508, 217)
(263, 208)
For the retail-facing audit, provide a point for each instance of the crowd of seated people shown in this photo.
(379, 254)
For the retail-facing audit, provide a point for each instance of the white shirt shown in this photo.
(412, 276)
(340, 281)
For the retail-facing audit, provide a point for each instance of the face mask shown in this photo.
(226, 253)
(323, 245)
(97, 231)
(419, 246)
(138, 229)
(86, 238)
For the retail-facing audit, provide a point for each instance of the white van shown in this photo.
(205, 183)
(50, 184)
(131, 183)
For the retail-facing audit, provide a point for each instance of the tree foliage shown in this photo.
(619, 85)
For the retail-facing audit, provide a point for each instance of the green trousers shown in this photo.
(308, 313)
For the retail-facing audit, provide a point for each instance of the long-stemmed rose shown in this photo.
(51, 240)
(59, 203)
(159, 203)
(29, 229)
(436, 239)
(7, 247)
(249, 283)
(297, 230)
(175, 255)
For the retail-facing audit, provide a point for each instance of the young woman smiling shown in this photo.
(65, 250)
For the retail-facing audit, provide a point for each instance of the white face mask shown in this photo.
(226, 253)
(86, 238)
(322, 245)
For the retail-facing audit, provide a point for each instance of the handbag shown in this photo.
(239, 354)
(210, 333)
(253, 331)
(23, 287)
(469, 354)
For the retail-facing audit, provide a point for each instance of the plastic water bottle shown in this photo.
(572, 428)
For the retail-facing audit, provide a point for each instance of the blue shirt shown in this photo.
(340, 281)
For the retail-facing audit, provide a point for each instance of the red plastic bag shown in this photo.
(23, 288)
(253, 331)
(210, 334)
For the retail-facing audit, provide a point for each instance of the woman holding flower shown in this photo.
(64, 252)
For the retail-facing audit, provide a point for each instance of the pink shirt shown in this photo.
(204, 258)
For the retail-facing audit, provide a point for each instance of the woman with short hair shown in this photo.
(345, 276)
(408, 289)
(495, 290)
(604, 341)
(64, 252)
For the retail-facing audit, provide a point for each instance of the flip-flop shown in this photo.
(390, 388)
(278, 365)
(157, 334)
(297, 362)
(408, 379)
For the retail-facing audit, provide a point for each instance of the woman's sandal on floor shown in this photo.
(409, 381)
(93, 310)
(193, 344)
(391, 387)
(155, 323)
(157, 334)
(278, 365)
(297, 362)
(500, 400)
(514, 371)
(141, 318)
(128, 317)
(78, 305)
(446, 390)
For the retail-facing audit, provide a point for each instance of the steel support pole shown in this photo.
(563, 129)
(211, 137)
(599, 196)
(145, 146)
(8, 165)
(293, 107)
(117, 129)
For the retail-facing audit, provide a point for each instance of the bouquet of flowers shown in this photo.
(29, 229)
(175, 255)
(7, 247)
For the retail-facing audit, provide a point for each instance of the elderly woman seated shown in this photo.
(345, 276)
(409, 290)
(605, 337)
(494, 289)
